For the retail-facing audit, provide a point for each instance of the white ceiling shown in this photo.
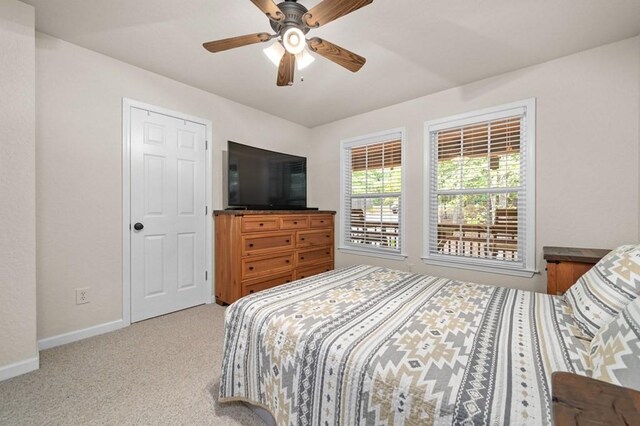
(413, 47)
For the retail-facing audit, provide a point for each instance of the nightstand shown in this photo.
(581, 400)
(566, 264)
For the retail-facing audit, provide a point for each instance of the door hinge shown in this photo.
(206, 210)
(206, 144)
(206, 275)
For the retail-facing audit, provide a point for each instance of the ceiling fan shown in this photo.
(291, 21)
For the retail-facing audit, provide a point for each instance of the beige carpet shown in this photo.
(161, 371)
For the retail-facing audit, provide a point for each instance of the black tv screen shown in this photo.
(262, 179)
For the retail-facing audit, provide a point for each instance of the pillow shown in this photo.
(615, 350)
(605, 289)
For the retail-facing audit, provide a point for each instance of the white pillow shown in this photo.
(615, 349)
(605, 289)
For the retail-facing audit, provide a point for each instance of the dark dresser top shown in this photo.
(262, 212)
(573, 254)
(580, 400)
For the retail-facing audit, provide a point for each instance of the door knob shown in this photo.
(138, 226)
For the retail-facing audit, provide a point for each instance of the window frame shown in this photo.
(528, 269)
(370, 139)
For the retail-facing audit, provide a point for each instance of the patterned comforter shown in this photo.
(369, 345)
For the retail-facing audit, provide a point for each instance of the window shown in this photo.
(479, 210)
(372, 183)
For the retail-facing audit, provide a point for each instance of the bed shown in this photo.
(370, 345)
(367, 345)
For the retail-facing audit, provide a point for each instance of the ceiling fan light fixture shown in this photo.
(304, 59)
(294, 41)
(275, 52)
(290, 22)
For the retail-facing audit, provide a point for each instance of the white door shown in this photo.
(168, 217)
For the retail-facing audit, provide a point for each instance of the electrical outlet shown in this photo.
(82, 296)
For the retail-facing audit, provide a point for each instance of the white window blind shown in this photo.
(478, 202)
(372, 191)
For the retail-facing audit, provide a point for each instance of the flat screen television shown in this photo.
(261, 179)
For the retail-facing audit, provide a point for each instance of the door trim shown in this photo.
(127, 105)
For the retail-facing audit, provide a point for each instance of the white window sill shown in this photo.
(372, 253)
(491, 269)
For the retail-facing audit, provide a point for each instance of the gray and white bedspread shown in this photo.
(369, 345)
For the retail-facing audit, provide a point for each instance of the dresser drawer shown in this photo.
(321, 221)
(313, 270)
(266, 265)
(294, 222)
(254, 286)
(265, 242)
(566, 264)
(314, 238)
(313, 256)
(561, 276)
(260, 223)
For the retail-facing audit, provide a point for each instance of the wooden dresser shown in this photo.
(256, 250)
(566, 264)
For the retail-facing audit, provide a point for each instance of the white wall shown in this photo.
(17, 189)
(587, 153)
(588, 191)
(79, 150)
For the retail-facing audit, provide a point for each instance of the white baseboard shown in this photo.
(74, 336)
(18, 368)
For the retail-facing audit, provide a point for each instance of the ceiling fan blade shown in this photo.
(270, 9)
(233, 42)
(330, 10)
(286, 70)
(337, 54)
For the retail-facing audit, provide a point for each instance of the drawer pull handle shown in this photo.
(295, 223)
(287, 261)
(262, 224)
(302, 258)
(302, 238)
(251, 245)
(250, 291)
(322, 221)
(287, 241)
(327, 253)
(288, 281)
(251, 268)
(327, 236)
(301, 276)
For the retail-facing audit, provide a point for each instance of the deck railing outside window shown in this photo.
(373, 194)
(479, 178)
